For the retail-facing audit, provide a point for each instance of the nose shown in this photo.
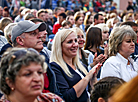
(75, 44)
(36, 77)
(45, 32)
(40, 35)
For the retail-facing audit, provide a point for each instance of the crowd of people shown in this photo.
(84, 54)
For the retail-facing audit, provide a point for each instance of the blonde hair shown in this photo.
(77, 30)
(56, 55)
(39, 12)
(103, 27)
(116, 38)
(8, 31)
(4, 22)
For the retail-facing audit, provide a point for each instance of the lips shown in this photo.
(39, 42)
(36, 86)
(75, 49)
(81, 42)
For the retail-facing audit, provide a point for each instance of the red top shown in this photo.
(55, 28)
(46, 83)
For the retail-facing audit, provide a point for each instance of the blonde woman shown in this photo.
(121, 46)
(71, 76)
(83, 56)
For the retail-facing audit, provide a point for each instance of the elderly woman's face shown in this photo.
(81, 40)
(29, 80)
(127, 47)
(70, 46)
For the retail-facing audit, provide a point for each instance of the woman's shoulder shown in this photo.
(55, 64)
(113, 60)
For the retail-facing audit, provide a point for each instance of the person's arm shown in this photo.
(71, 94)
(82, 84)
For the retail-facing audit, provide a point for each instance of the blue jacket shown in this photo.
(135, 54)
(51, 76)
(66, 83)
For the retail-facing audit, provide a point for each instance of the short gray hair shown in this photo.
(12, 61)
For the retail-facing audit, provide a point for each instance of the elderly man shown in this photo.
(26, 34)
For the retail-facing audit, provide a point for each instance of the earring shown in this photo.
(12, 88)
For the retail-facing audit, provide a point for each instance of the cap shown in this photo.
(26, 26)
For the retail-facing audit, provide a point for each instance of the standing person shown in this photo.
(121, 46)
(72, 78)
(26, 35)
(21, 78)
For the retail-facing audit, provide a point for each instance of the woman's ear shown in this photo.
(9, 83)
(101, 99)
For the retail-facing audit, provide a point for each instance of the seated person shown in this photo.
(21, 77)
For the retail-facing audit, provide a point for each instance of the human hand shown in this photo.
(100, 58)
(106, 48)
(94, 77)
(50, 97)
(94, 70)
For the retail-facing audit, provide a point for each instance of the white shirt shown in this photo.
(117, 66)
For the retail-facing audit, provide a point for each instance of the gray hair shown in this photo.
(117, 36)
(12, 61)
(8, 31)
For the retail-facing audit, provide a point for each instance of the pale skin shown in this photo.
(127, 47)
(69, 49)
(97, 59)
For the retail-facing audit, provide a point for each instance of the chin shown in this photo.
(37, 93)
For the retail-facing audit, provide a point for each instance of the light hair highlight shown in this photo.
(56, 55)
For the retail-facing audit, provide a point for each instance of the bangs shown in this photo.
(105, 29)
(131, 35)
